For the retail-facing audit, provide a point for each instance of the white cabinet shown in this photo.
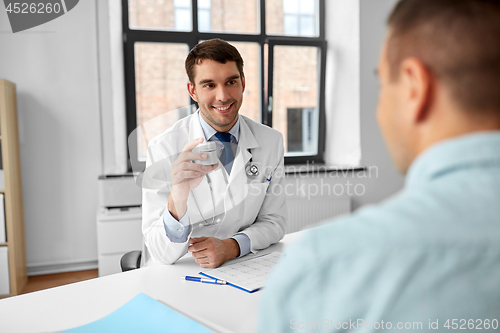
(118, 232)
(3, 230)
(4, 271)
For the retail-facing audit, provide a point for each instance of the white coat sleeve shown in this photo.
(270, 224)
(156, 187)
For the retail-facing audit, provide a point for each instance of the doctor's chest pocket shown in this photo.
(255, 194)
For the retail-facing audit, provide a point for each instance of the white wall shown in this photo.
(112, 86)
(66, 96)
(355, 30)
(55, 69)
(342, 98)
(373, 15)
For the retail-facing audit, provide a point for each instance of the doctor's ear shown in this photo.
(243, 81)
(192, 93)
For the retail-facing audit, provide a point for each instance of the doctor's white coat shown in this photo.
(255, 206)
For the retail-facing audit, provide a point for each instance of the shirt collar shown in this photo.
(209, 131)
(475, 150)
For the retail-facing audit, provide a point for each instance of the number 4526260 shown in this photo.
(478, 324)
(33, 8)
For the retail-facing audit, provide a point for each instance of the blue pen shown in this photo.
(269, 180)
(203, 280)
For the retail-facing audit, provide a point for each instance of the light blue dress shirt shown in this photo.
(432, 253)
(178, 231)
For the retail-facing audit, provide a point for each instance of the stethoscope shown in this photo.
(251, 169)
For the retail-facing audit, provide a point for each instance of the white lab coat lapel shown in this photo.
(238, 178)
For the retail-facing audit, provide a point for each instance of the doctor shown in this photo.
(221, 211)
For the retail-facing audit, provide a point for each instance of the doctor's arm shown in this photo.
(164, 179)
(186, 176)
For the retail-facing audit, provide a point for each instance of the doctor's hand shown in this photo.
(212, 252)
(185, 177)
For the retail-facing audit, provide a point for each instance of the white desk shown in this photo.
(220, 308)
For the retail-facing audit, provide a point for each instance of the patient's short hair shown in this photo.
(457, 40)
(213, 49)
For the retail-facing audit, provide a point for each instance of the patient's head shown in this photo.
(440, 73)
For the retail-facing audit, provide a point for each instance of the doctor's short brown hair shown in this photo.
(213, 49)
(459, 43)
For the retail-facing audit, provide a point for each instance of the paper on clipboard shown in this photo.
(249, 275)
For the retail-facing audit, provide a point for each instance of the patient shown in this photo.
(428, 258)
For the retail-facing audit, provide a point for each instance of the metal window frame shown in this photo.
(321, 45)
(191, 38)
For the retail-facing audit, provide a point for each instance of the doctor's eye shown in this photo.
(208, 85)
(232, 82)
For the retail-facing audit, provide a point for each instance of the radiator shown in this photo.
(304, 213)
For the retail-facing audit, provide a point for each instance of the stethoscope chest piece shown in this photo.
(252, 170)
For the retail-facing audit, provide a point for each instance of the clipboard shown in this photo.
(248, 275)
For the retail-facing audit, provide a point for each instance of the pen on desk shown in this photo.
(203, 280)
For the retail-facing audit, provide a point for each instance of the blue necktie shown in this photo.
(227, 156)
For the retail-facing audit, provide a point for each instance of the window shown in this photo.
(182, 15)
(204, 22)
(284, 54)
(301, 130)
(300, 18)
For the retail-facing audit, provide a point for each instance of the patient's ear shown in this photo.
(416, 84)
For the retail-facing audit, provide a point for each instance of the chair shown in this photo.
(131, 260)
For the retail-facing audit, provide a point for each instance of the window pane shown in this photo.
(174, 15)
(281, 23)
(204, 20)
(307, 28)
(235, 16)
(182, 20)
(291, 6)
(160, 87)
(181, 3)
(250, 52)
(295, 98)
(204, 4)
(308, 7)
(291, 25)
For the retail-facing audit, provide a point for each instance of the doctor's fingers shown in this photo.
(187, 156)
(188, 166)
(210, 263)
(202, 256)
(199, 247)
(191, 144)
(194, 240)
(186, 175)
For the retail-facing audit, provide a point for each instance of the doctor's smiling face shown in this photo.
(218, 88)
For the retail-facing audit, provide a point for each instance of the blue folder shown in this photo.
(143, 314)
